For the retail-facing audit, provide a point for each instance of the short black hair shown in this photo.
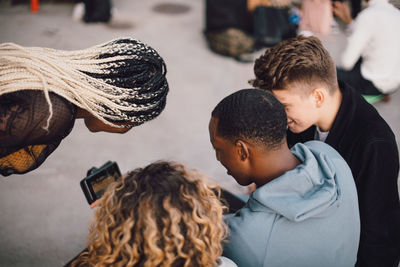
(254, 115)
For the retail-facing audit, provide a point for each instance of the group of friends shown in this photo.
(324, 162)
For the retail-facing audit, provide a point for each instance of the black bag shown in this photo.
(231, 42)
(271, 25)
(97, 10)
(224, 14)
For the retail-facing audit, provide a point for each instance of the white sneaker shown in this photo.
(78, 12)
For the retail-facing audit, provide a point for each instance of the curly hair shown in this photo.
(161, 215)
(252, 114)
(301, 60)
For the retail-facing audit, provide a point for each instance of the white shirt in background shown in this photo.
(375, 36)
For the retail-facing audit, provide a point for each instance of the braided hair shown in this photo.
(120, 81)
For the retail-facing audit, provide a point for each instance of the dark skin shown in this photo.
(96, 125)
(248, 162)
(342, 11)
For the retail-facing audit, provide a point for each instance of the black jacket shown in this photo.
(368, 145)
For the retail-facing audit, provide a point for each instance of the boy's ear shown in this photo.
(242, 150)
(319, 96)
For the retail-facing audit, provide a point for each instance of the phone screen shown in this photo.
(101, 183)
(98, 179)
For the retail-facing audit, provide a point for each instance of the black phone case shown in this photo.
(92, 175)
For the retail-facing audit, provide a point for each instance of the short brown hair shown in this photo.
(299, 59)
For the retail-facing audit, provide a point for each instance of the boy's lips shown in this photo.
(290, 122)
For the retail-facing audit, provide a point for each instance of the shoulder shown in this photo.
(369, 127)
(320, 146)
(35, 99)
(365, 17)
(247, 227)
(368, 12)
(225, 262)
(318, 150)
(362, 119)
(62, 103)
(377, 10)
(247, 238)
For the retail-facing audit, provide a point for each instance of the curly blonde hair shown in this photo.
(161, 215)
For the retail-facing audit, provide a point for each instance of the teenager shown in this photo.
(113, 87)
(304, 211)
(302, 75)
(160, 215)
(370, 62)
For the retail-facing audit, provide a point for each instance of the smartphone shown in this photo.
(98, 179)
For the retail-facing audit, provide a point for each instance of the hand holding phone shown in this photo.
(98, 179)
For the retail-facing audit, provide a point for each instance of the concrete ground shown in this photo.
(44, 215)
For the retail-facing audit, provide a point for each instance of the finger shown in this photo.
(94, 204)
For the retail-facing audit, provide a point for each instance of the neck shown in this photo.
(330, 110)
(273, 164)
(82, 113)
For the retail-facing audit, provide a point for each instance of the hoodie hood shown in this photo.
(306, 191)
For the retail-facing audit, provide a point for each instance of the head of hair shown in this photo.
(161, 215)
(253, 115)
(121, 81)
(301, 60)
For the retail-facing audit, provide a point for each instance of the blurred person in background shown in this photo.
(316, 17)
(159, 215)
(113, 86)
(371, 60)
(236, 28)
(99, 11)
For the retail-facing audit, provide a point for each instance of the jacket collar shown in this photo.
(346, 110)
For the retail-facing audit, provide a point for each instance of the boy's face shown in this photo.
(300, 107)
(227, 153)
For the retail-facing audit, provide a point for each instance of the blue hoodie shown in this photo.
(307, 217)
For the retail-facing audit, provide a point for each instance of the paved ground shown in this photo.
(44, 215)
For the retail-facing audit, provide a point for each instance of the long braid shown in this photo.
(119, 81)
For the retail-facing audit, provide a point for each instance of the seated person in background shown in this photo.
(160, 215)
(100, 11)
(304, 211)
(238, 27)
(316, 17)
(371, 60)
(302, 76)
(113, 87)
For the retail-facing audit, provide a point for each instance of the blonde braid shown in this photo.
(119, 81)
